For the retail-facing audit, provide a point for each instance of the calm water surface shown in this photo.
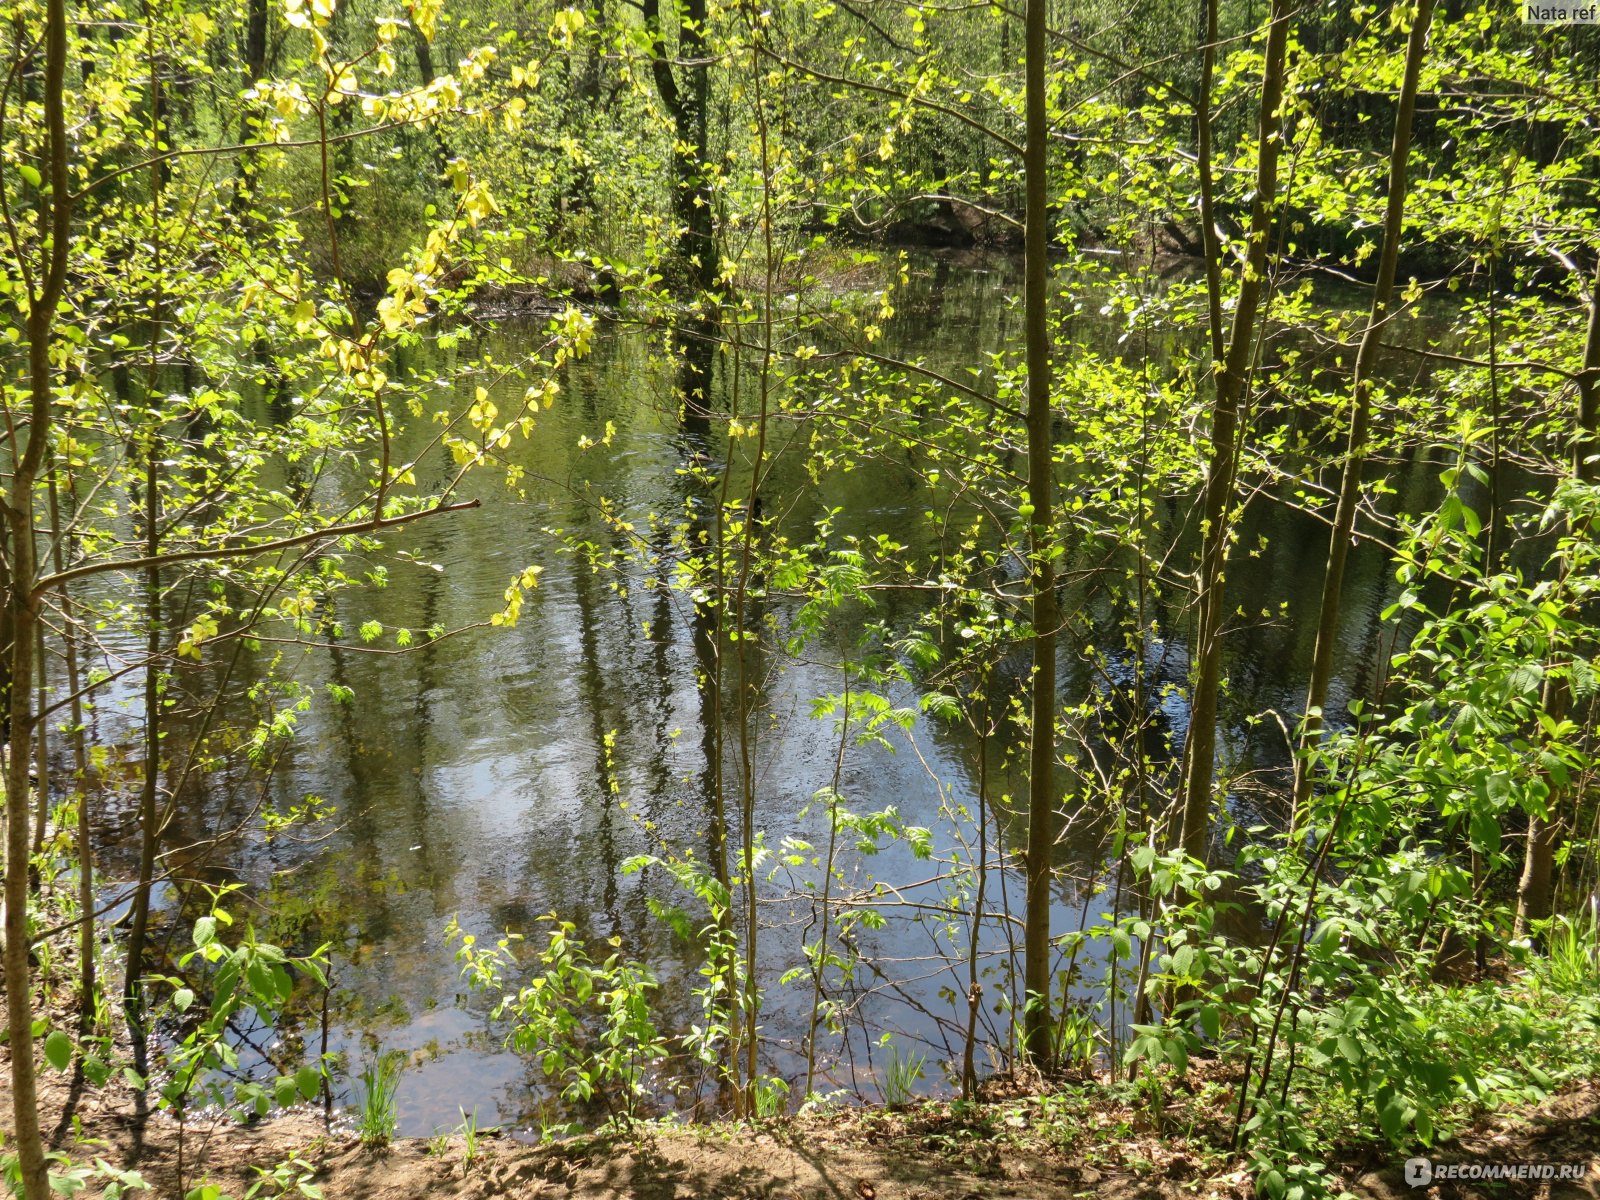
(473, 779)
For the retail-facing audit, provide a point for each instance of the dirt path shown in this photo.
(926, 1153)
(798, 1165)
(922, 1154)
(1565, 1129)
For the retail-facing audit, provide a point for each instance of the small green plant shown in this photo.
(293, 1176)
(900, 1075)
(822, 1102)
(1573, 961)
(470, 1135)
(378, 1116)
(1078, 1037)
(587, 1022)
(67, 1177)
(770, 1094)
(217, 981)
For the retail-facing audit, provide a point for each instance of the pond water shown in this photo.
(503, 775)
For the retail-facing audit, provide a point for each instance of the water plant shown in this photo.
(469, 1133)
(901, 1074)
(377, 1112)
(588, 1024)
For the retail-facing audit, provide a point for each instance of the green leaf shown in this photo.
(1178, 1056)
(309, 1081)
(205, 931)
(58, 1050)
(30, 174)
(182, 999)
(96, 1070)
(1392, 1117)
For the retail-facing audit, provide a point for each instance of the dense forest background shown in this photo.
(1075, 526)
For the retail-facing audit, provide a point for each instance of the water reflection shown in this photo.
(499, 777)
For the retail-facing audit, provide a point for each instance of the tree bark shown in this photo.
(80, 775)
(255, 66)
(423, 50)
(1209, 243)
(1041, 546)
(1231, 376)
(22, 604)
(149, 817)
(1344, 519)
(688, 107)
(1535, 890)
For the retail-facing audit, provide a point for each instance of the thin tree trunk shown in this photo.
(820, 964)
(41, 769)
(80, 775)
(149, 816)
(1200, 744)
(1209, 243)
(1344, 518)
(969, 1068)
(1535, 889)
(1041, 546)
(24, 617)
(22, 603)
(251, 111)
(747, 567)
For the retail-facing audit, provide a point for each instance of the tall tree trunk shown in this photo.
(1209, 243)
(41, 770)
(696, 244)
(423, 49)
(1041, 546)
(1344, 518)
(688, 107)
(251, 111)
(1230, 383)
(744, 626)
(1536, 887)
(149, 817)
(80, 776)
(22, 604)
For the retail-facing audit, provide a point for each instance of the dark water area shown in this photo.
(506, 774)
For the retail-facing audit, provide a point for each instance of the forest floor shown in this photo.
(1080, 1143)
